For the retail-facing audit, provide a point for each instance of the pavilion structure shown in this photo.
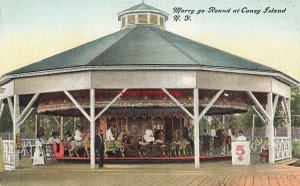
(144, 56)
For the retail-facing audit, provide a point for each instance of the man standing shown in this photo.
(99, 147)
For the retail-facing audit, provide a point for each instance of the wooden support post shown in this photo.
(270, 128)
(196, 128)
(92, 127)
(37, 124)
(289, 126)
(253, 125)
(16, 129)
(61, 127)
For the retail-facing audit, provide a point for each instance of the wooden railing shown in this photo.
(257, 144)
(282, 148)
(9, 154)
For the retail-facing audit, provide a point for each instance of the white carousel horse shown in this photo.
(115, 145)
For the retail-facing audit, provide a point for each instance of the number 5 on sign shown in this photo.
(240, 153)
(240, 150)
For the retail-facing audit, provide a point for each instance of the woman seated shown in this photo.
(149, 137)
(77, 136)
(109, 134)
(160, 138)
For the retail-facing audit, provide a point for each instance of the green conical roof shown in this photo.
(142, 46)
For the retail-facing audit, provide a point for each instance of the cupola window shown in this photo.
(131, 19)
(153, 19)
(142, 18)
(162, 22)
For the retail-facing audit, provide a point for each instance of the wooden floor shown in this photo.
(170, 174)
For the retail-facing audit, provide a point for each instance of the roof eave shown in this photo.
(278, 75)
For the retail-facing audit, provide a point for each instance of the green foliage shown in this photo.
(295, 107)
(6, 122)
(244, 120)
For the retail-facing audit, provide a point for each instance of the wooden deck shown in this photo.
(173, 174)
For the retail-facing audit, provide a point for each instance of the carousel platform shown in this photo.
(148, 159)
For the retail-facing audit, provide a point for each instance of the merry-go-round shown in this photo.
(130, 116)
(145, 78)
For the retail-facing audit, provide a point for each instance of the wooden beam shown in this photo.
(26, 116)
(261, 117)
(11, 108)
(112, 102)
(27, 108)
(66, 123)
(217, 120)
(1, 107)
(260, 107)
(275, 105)
(286, 110)
(210, 104)
(56, 121)
(77, 105)
(178, 103)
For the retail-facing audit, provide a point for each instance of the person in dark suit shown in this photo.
(99, 147)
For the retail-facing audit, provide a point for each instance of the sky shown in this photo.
(32, 30)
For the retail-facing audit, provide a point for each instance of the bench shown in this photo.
(264, 155)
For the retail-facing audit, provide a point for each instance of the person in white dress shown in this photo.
(213, 131)
(38, 157)
(77, 136)
(109, 134)
(241, 136)
(149, 137)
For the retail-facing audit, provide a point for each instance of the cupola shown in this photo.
(142, 14)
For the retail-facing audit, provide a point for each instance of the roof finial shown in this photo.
(143, 1)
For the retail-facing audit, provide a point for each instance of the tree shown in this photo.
(6, 123)
(295, 107)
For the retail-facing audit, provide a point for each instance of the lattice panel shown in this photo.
(9, 154)
(258, 144)
(282, 148)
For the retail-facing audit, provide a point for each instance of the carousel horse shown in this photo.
(132, 143)
(115, 145)
(175, 146)
(86, 144)
(160, 142)
(186, 148)
(77, 145)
